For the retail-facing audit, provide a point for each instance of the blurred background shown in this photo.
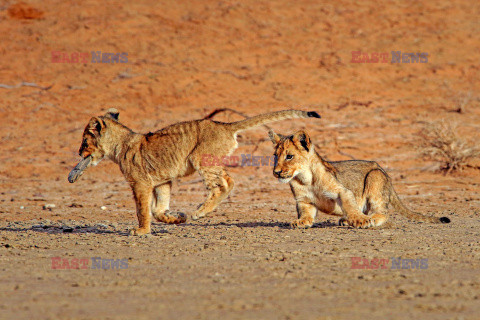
(186, 59)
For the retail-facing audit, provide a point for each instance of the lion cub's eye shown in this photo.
(289, 157)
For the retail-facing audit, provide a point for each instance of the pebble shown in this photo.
(48, 206)
(103, 208)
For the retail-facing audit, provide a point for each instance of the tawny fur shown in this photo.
(359, 191)
(150, 162)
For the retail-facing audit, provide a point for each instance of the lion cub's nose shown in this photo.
(277, 172)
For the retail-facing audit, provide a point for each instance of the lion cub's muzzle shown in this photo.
(277, 173)
(79, 169)
(281, 174)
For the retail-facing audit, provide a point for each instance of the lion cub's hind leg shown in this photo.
(219, 184)
(376, 184)
(372, 200)
(161, 205)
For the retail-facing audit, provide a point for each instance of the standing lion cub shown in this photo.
(361, 192)
(150, 162)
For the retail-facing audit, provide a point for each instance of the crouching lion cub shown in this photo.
(361, 192)
(150, 162)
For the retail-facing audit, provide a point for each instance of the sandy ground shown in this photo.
(242, 261)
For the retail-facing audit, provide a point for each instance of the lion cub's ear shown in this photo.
(95, 126)
(303, 139)
(112, 113)
(274, 137)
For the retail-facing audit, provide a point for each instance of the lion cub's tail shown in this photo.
(404, 211)
(270, 117)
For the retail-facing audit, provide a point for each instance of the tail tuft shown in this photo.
(313, 114)
(444, 220)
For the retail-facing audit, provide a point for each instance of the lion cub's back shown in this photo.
(179, 140)
(352, 173)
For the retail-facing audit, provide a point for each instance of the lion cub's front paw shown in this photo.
(139, 231)
(301, 224)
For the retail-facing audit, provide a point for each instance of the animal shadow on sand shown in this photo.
(66, 229)
(276, 224)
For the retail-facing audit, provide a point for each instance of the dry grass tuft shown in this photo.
(441, 142)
